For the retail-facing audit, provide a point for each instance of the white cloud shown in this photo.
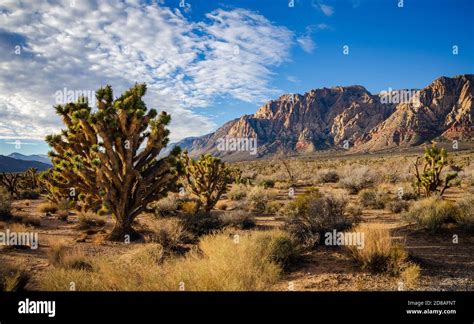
(327, 10)
(185, 64)
(306, 43)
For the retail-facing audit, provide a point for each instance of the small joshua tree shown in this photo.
(109, 156)
(11, 182)
(206, 178)
(429, 180)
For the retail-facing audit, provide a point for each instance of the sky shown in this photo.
(206, 62)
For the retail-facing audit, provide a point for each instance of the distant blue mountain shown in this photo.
(9, 164)
(38, 157)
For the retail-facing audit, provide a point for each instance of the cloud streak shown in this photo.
(186, 64)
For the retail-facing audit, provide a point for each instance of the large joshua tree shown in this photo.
(109, 156)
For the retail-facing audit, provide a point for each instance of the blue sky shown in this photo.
(212, 61)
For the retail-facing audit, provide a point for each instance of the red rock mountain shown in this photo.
(347, 118)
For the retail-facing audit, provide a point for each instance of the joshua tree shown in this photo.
(11, 182)
(429, 179)
(30, 180)
(109, 156)
(206, 178)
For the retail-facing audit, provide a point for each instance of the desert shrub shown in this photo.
(238, 219)
(265, 182)
(328, 176)
(27, 220)
(29, 194)
(398, 205)
(5, 204)
(274, 206)
(166, 206)
(189, 207)
(258, 198)
(281, 185)
(254, 262)
(355, 211)
(431, 213)
(150, 253)
(89, 220)
(168, 232)
(372, 199)
(237, 191)
(379, 253)
(201, 223)
(13, 279)
(410, 275)
(356, 179)
(222, 205)
(66, 257)
(63, 215)
(465, 215)
(47, 207)
(309, 216)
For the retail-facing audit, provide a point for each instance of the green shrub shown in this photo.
(309, 216)
(431, 213)
(372, 199)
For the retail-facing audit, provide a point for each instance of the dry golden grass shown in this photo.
(63, 256)
(47, 207)
(223, 262)
(379, 253)
(410, 275)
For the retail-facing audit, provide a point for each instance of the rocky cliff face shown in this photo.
(348, 118)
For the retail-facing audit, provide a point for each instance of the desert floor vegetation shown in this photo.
(265, 231)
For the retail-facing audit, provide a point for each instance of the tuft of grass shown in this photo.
(223, 262)
(89, 220)
(379, 253)
(47, 207)
(410, 275)
(465, 215)
(190, 207)
(66, 257)
(169, 233)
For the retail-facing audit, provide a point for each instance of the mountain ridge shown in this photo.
(349, 118)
